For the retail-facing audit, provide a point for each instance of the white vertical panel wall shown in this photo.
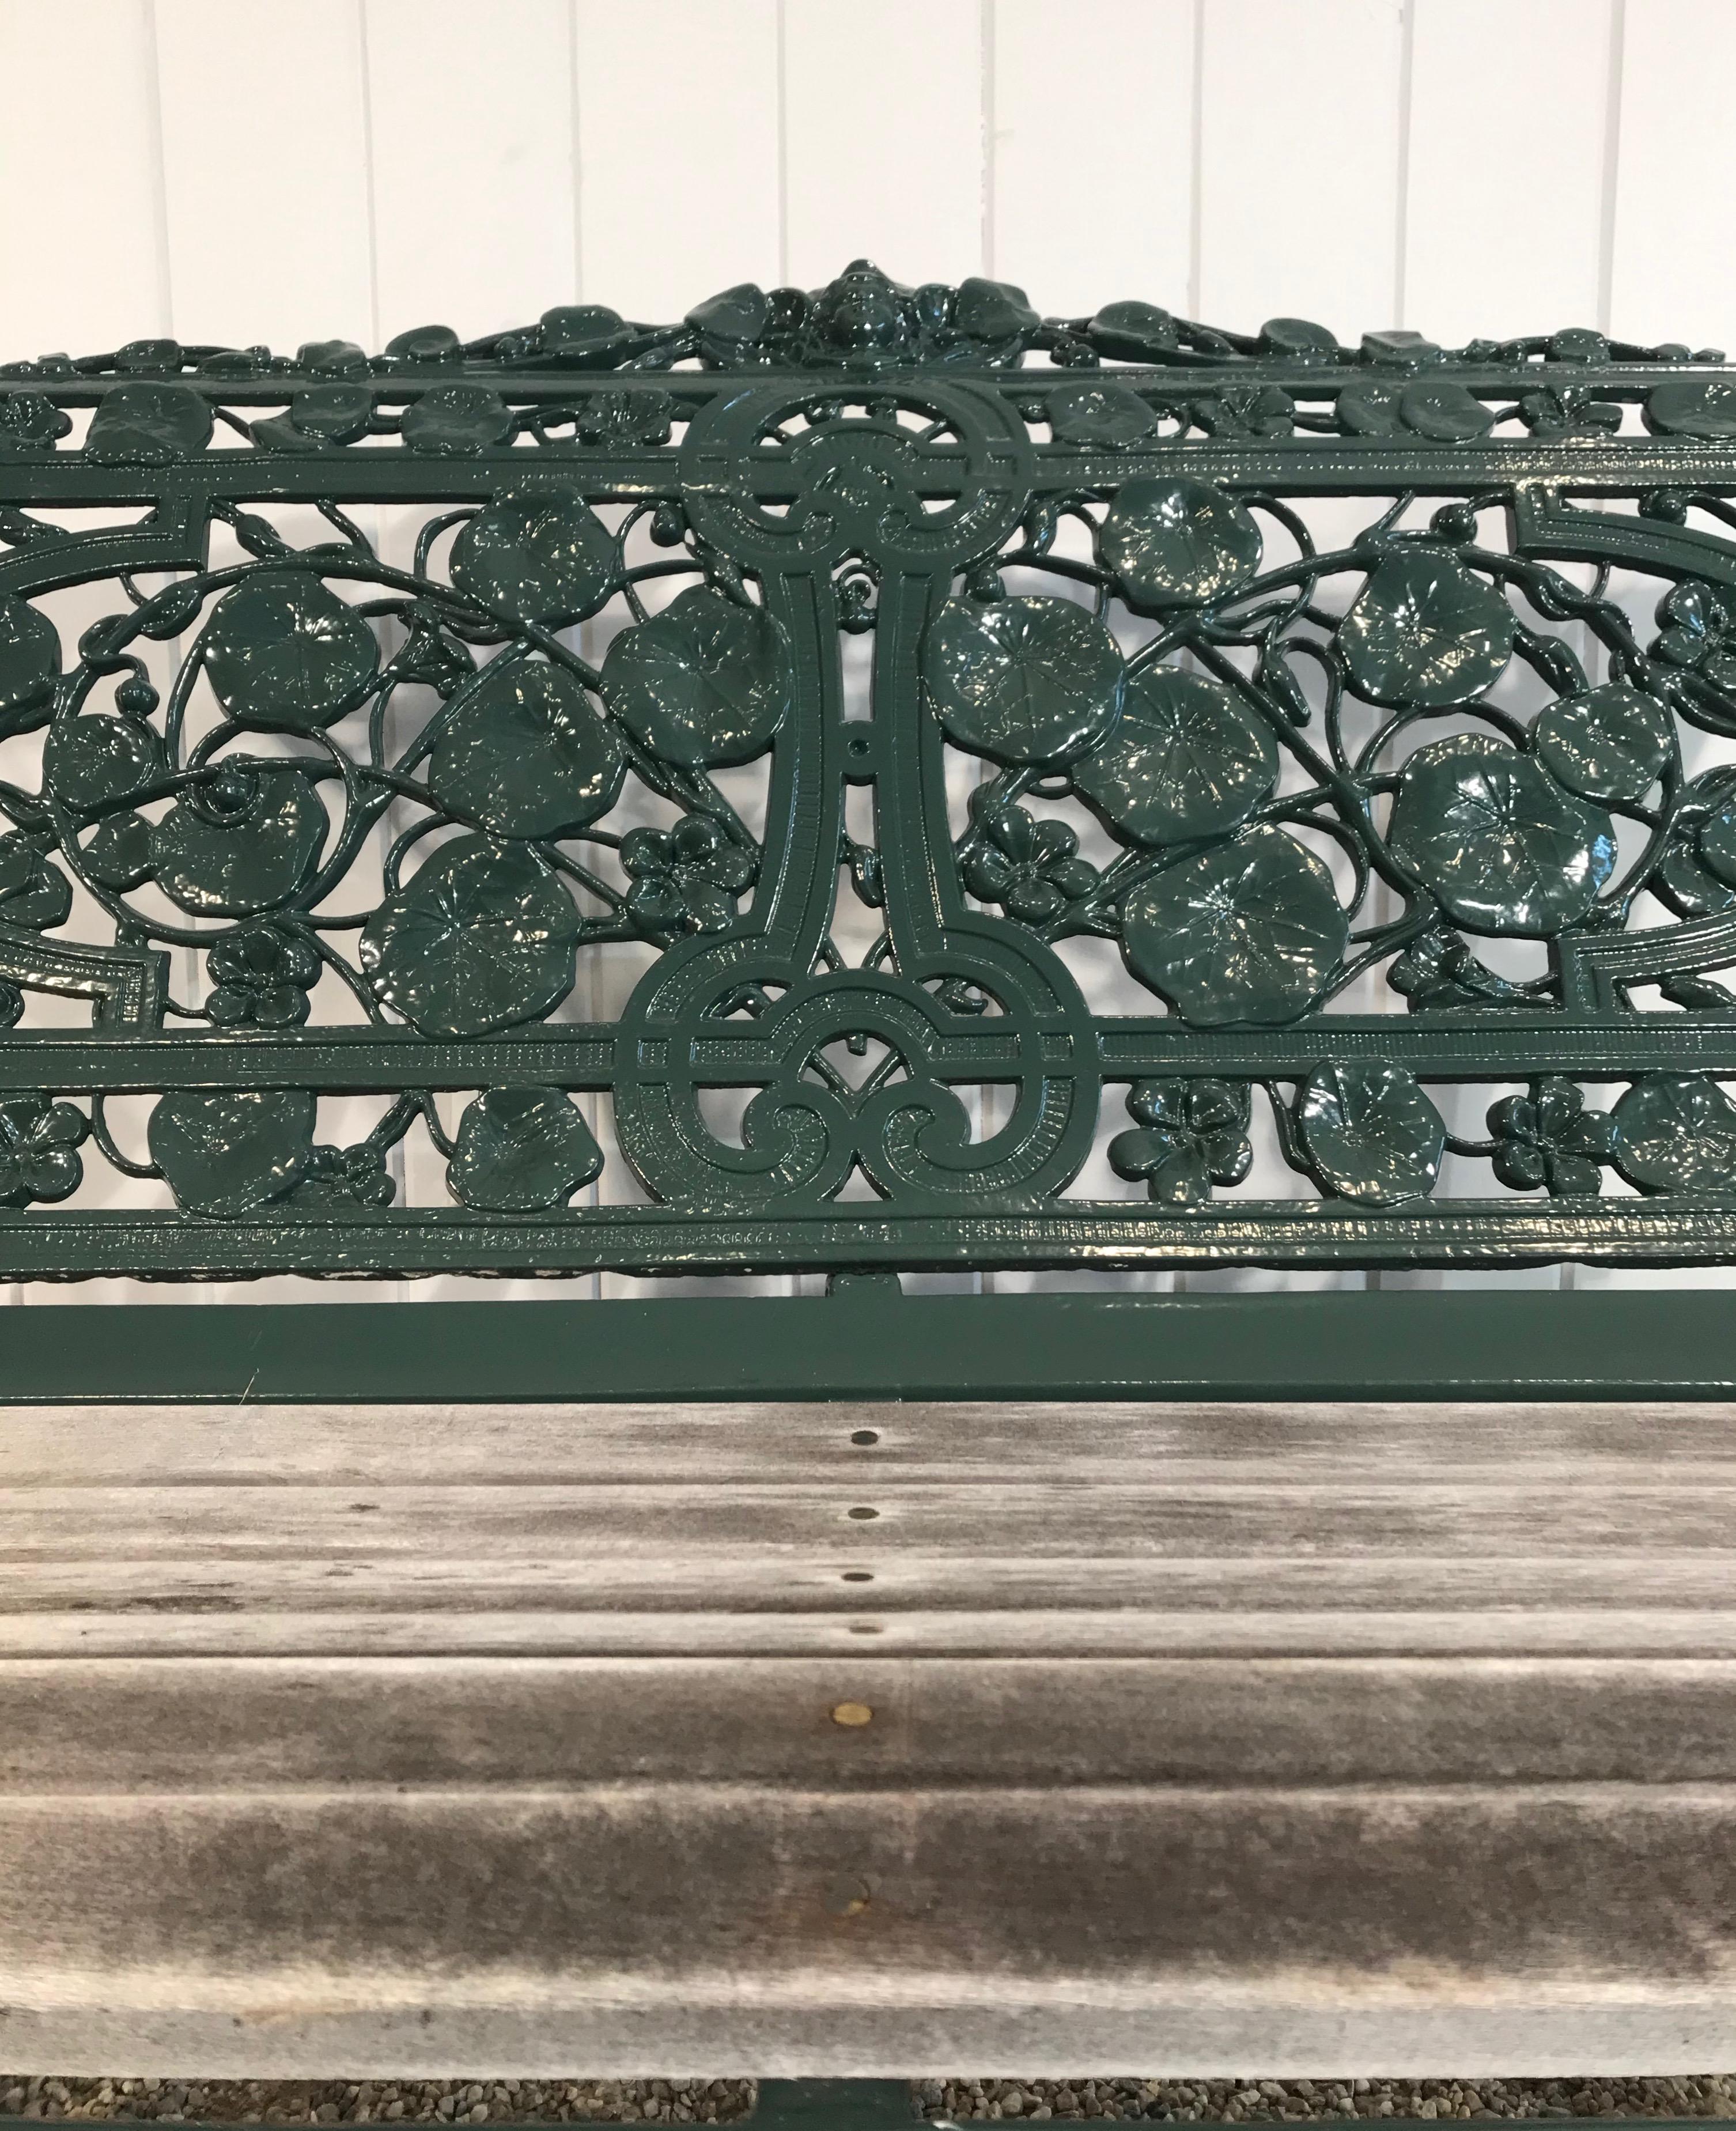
(282, 170)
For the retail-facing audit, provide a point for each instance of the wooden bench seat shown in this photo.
(863, 1738)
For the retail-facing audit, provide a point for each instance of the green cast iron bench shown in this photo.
(996, 829)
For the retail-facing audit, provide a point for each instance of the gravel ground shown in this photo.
(720, 2100)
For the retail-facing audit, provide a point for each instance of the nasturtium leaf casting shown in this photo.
(1188, 758)
(704, 684)
(1716, 842)
(522, 1151)
(148, 425)
(544, 556)
(1177, 543)
(1023, 680)
(1692, 407)
(230, 1154)
(483, 937)
(524, 754)
(1100, 418)
(1608, 743)
(325, 415)
(245, 841)
(118, 852)
(90, 761)
(1497, 840)
(34, 892)
(283, 653)
(1371, 1133)
(1444, 411)
(1424, 631)
(30, 664)
(1677, 1132)
(1249, 932)
(456, 420)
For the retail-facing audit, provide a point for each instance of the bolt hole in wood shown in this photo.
(852, 1715)
(866, 1435)
(862, 1513)
(857, 1576)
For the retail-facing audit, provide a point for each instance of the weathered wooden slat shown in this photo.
(282, 1445)
(571, 1725)
(722, 1928)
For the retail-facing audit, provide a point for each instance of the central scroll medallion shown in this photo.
(911, 487)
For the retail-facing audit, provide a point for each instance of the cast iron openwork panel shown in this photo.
(1020, 766)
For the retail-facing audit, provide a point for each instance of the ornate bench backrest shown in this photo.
(1005, 770)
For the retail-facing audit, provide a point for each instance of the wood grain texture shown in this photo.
(500, 1738)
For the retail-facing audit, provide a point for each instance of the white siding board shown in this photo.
(678, 151)
(1508, 105)
(81, 265)
(1093, 166)
(883, 118)
(1298, 163)
(474, 177)
(265, 170)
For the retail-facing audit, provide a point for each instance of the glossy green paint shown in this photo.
(868, 1341)
(889, 463)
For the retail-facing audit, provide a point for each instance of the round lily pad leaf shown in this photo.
(245, 842)
(1023, 680)
(284, 652)
(704, 683)
(585, 335)
(1443, 411)
(1424, 631)
(455, 420)
(1132, 333)
(1687, 407)
(1693, 890)
(1177, 543)
(324, 415)
(227, 1155)
(1188, 758)
(30, 665)
(90, 761)
(1503, 848)
(525, 754)
(1100, 418)
(522, 1151)
(1608, 743)
(118, 852)
(1300, 340)
(33, 890)
(482, 938)
(1247, 932)
(1368, 407)
(544, 556)
(148, 425)
(425, 344)
(1677, 1132)
(1371, 1133)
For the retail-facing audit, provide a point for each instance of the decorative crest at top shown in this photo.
(862, 322)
